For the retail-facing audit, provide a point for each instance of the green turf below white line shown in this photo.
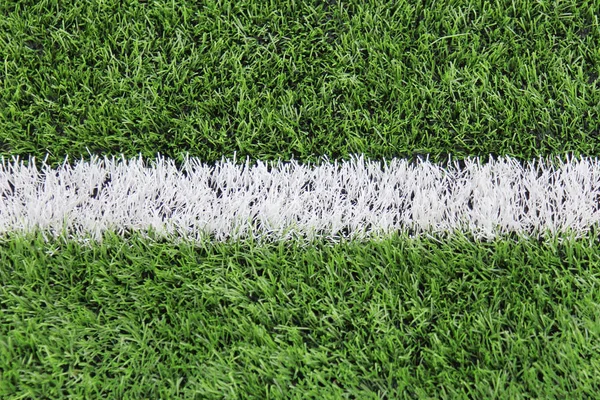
(356, 199)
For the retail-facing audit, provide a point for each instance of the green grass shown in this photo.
(301, 79)
(397, 318)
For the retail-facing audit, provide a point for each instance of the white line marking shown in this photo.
(356, 199)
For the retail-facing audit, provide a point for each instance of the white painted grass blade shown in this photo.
(357, 199)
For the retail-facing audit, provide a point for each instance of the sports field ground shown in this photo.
(412, 313)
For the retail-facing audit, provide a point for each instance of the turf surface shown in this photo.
(399, 318)
(395, 318)
(303, 79)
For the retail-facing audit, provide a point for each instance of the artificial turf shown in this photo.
(396, 318)
(300, 79)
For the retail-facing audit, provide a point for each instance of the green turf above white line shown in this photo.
(355, 199)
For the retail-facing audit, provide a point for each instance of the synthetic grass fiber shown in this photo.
(395, 318)
(356, 199)
(429, 316)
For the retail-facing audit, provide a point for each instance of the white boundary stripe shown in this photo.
(354, 199)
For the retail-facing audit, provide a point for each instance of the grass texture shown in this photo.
(393, 319)
(400, 317)
(302, 79)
